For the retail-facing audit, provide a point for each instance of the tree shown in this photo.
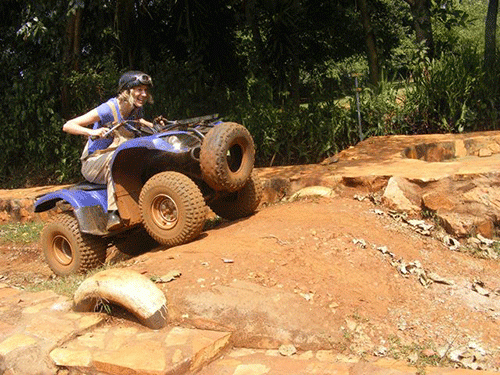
(490, 36)
(421, 13)
(371, 46)
(127, 31)
(71, 56)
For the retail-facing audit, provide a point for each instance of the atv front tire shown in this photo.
(67, 250)
(227, 156)
(172, 208)
(241, 203)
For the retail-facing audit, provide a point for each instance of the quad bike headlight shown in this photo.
(183, 142)
(175, 142)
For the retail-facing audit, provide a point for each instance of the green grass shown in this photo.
(20, 233)
(66, 285)
(400, 351)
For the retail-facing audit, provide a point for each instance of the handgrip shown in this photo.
(106, 135)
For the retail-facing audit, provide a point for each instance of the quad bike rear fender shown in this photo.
(89, 207)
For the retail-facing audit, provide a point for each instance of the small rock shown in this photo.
(172, 275)
(428, 353)
(442, 351)
(360, 242)
(351, 324)
(321, 191)
(413, 357)
(421, 226)
(456, 355)
(476, 287)
(381, 351)
(470, 363)
(485, 152)
(61, 306)
(383, 249)
(402, 268)
(485, 240)
(402, 325)
(473, 345)
(307, 296)
(451, 243)
(438, 279)
(287, 350)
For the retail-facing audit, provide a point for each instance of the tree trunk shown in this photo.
(251, 19)
(421, 13)
(490, 36)
(71, 55)
(371, 47)
(126, 28)
(294, 81)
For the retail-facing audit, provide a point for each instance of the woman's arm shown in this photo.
(79, 125)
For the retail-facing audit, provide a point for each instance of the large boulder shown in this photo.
(400, 194)
(463, 204)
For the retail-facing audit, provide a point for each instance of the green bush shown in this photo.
(448, 94)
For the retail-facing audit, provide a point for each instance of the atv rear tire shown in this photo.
(241, 203)
(67, 250)
(227, 156)
(172, 208)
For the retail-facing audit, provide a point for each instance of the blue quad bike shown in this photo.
(164, 180)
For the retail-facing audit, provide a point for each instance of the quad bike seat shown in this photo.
(87, 186)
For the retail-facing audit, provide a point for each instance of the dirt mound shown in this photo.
(331, 273)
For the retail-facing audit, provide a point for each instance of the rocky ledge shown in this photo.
(451, 177)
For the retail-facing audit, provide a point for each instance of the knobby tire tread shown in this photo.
(191, 199)
(242, 203)
(92, 249)
(213, 161)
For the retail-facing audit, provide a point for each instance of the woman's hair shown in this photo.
(125, 96)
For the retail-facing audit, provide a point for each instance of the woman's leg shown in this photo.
(96, 169)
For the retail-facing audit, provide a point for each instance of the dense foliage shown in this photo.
(283, 68)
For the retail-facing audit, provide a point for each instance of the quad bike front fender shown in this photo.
(136, 160)
(162, 142)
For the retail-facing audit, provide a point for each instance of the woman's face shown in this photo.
(139, 95)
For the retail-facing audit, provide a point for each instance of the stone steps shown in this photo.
(41, 334)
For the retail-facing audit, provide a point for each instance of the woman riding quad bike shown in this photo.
(163, 181)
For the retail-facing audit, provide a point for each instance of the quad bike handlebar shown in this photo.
(161, 124)
(112, 129)
(168, 124)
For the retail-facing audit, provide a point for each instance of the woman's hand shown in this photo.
(98, 133)
(146, 123)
